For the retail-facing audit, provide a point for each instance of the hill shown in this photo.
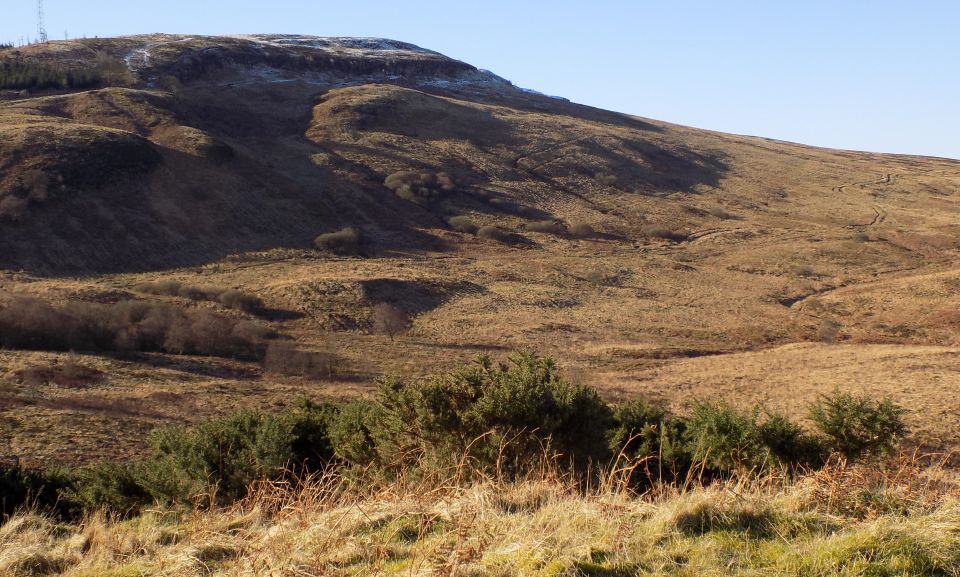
(652, 259)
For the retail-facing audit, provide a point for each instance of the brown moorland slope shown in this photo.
(677, 263)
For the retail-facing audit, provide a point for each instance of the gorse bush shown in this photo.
(419, 187)
(483, 420)
(127, 326)
(213, 463)
(725, 438)
(227, 454)
(499, 416)
(649, 437)
(858, 426)
(20, 486)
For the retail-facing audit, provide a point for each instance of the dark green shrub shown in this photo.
(463, 224)
(344, 241)
(789, 444)
(310, 424)
(351, 432)
(503, 417)
(118, 488)
(648, 436)
(226, 455)
(22, 487)
(725, 438)
(857, 425)
(419, 187)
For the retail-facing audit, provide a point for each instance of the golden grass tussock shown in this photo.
(894, 519)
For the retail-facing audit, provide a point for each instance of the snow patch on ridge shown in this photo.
(359, 45)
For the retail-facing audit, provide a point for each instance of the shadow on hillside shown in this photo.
(416, 296)
(207, 367)
(189, 212)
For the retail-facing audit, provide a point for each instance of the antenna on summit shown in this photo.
(41, 27)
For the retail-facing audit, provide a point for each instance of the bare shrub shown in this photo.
(654, 231)
(343, 241)
(389, 320)
(491, 232)
(861, 237)
(284, 358)
(509, 206)
(720, 213)
(70, 374)
(13, 207)
(582, 230)
(126, 326)
(463, 224)
(803, 270)
(161, 287)
(198, 293)
(606, 178)
(546, 227)
(241, 301)
(419, 187)
(113, 71)
(229, 298)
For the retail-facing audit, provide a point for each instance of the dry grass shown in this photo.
(893, 520)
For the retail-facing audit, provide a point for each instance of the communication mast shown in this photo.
(41, 27)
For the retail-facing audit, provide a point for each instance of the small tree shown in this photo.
(389, 320)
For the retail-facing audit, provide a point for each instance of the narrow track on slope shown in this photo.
(878, 218)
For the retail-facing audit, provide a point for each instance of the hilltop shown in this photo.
(651, 259)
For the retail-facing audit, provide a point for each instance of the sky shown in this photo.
(867, 75)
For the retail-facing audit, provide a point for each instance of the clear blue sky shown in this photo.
(869, 75)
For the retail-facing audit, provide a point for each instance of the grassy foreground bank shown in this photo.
(889, 520)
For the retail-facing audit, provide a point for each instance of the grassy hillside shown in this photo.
(652, 260)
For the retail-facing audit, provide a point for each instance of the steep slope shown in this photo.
(216, 161)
